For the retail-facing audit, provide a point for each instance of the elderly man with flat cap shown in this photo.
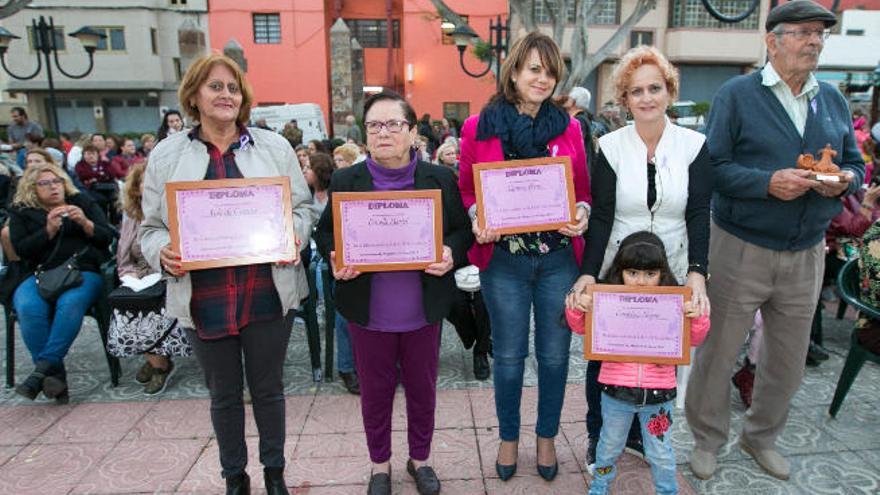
(767, 246)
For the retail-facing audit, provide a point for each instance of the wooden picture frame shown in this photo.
(346, 207)
(526, 165)
(638, 308)
(232, 198)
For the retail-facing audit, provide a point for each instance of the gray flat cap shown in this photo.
(800, 11)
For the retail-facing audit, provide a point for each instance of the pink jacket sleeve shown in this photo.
(699, 329)
(576, 320)
(466, 161)
(579, 163)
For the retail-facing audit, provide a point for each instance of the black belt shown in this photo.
(640, 396)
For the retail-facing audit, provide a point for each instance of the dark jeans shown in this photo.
(594, 405)
(511, 286)
(263, 346)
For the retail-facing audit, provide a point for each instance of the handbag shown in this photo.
(53, 282)
(151, 298)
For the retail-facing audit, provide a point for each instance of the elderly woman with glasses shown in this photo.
(50, 221)
(395, 317)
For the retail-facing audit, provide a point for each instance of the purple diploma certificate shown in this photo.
(381, 231)
(526, 195)
(222, 226)
(632, 324)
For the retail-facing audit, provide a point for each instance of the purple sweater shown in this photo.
(395, 297)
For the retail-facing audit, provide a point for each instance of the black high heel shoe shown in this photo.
(505, 472)
(547, 472)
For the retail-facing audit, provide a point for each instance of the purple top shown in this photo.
(395, 297)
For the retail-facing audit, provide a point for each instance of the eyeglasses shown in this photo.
(49, 182)
(393, 126)
(802, 34)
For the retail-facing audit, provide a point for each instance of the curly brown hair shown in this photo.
(134, 191)
(322, 166)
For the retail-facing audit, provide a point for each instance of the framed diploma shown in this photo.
(388, 230)
(229, 222)
(519, 196)
(638, 324)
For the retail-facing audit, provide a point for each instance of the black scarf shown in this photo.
(521, 135)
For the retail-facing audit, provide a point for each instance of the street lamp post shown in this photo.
(499, 39)
(44, 42)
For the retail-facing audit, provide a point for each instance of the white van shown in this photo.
(308, 117)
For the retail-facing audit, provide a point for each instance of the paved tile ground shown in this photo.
(115, 440)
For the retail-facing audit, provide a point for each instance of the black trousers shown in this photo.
(258, 353)
(471, 321)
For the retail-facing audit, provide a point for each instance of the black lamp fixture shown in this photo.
(499, 39)
(44, 43)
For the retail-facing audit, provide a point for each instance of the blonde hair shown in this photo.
(348, 151)
(518, 56)
(635, 58)
(83, 140)
(198, 73)
(443, 148)
(134, 191)
(26, 193)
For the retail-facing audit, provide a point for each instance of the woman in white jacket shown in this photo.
(650, 175)
(233, 311)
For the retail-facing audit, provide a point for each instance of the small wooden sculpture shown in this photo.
(823, 166)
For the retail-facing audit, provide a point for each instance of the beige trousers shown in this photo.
(785, 286)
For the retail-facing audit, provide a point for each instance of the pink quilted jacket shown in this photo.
(569, 143)
(639, 374)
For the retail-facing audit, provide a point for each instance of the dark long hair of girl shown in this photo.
(162, 133)
(640, 251)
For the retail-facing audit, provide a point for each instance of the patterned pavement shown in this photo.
(116, 440)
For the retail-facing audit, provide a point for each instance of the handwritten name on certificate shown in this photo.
(519, 196)
(388, 230)
(231, 222)
(638, 324)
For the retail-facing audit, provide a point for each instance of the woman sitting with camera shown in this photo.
(50, 224)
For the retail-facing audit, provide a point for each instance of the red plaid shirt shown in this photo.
(225, 300)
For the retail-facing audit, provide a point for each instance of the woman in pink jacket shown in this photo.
(526, 271)
(630, 389)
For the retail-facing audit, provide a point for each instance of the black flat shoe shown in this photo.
(274, 480)
(55, 384)
(238, 485)
(350, 380)
(481, 366)
(33, 384)
(380, 484)
(426, 479)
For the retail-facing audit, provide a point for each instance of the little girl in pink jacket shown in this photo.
(647, 390)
